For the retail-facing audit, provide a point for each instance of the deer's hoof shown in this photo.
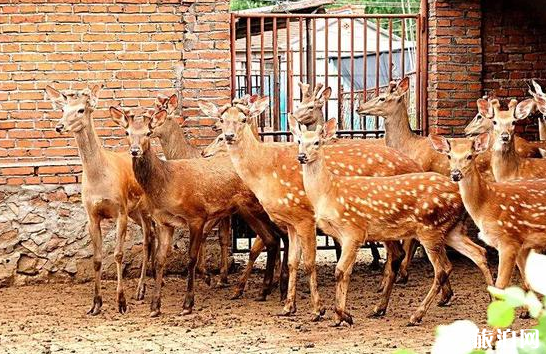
(155, 313)
(414, 321)
(377, 313)
(319, 315)
(402, 279)
(237, 294)
(261, 298)
(141, 291)
(186, 311)
(343, 316)
(96, 308)
(288, 311)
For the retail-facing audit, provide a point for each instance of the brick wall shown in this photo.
(137, 48)
(455, 65)
(514, 42)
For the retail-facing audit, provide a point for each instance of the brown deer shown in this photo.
(505, 161)
(109, 188)
(511, 215)
(540, 100)
(192, 192)
(278, 184)
(309, 111)
(177, 146)
(483, 122)
(353, 209)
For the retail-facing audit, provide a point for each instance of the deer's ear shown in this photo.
(524, 108)
(325, 96)
(158, 119)
(118, 116)
(440, 143)
(209, 109)
(541, 104)
(329, 129)
(538, 89)
(259, 106)
(172, 103)
(58, 100)
(94, 96)
(403, 86)
(294, 126)
(485, 108)
(481, 143)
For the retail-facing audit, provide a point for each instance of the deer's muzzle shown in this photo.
(456, 175)
(302, 158)
(59, 128)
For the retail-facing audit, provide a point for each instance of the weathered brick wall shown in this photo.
(455, 64)
(514, 42)
(137, 48)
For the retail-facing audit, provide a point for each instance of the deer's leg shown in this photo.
(272, 253)
(224, 235)
(164, 240)
(145, 224)
(121, 230)
(309, 249)
(294, 255)
(343, 272)
(96, 239)
(255, 251)
(521, 260)
(410, 246)
(337, 247)
(196, 239)
(395, 255)
(442, 269)
(283, 280)
(376, 256)
(464, 245)
(507, 261)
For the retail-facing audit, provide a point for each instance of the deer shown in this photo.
(353, 209)
(175, 145)
(483, 122)
(278, 184)
(189, 192)
(109, 189)
(540, 100)
(510, 215)
(505, 161)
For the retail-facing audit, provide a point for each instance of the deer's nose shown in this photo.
(505, 137)
(229, 136)
(302, 158)
(59, 127)
(456, 175)
(135, 151)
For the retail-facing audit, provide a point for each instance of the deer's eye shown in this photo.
(126, 133)
(243, 120)
(221, 120)
(449, 157)
(513, 122)
(148, 133)
(494, 122)
(469, 157)
(316, 143)
(81, 110)
(220, 139)
(382, 99)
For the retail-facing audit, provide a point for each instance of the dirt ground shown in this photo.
(51, 317)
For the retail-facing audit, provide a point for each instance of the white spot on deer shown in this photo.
(502, 206)
(351, 168)
(369, 161)
(416, 211)
(275, 175)
(301, 192)
(433, 178)
(283, 167)
(425, 205)
(512, 209)
(336, 172)
(290, 196)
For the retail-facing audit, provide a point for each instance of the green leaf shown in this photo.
(533, 304)
(500, 314)
(404, 351)
(496, 292)
(514, 296)
(478, 351)
(542, 328)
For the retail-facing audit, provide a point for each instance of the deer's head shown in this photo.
(539, 96)
(76, 106)
(504, 122)
(139, 125)
(309, 111)
(311, 141)
(460, 152)
(386, 103)
(233, 118)
(482, 121)
(169, 104)
(218, 145)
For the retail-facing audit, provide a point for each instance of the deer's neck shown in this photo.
(398, 133)
(475, 193)
(174, 143)
(247, 157)
(505, 162)
(317, 180)
(151, 173)
(90, 149)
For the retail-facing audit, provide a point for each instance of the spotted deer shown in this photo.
(278, 184)
(309, 111)
(176, 146)
(505, 161)
(510, 215)
(540, 101)
(356, 208)
(109, 189)
(190, 192)
(483, 122)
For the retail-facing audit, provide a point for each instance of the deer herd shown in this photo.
(402, 190)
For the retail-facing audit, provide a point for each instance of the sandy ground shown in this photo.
(51, 317)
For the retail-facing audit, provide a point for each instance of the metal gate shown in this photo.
(357, 55)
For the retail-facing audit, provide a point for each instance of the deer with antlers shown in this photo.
(192, 192)
(278, 184)
(505, 161)
(510, 215)
(353, 209)
(540, 101)
(176, 146)
(109, 188)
